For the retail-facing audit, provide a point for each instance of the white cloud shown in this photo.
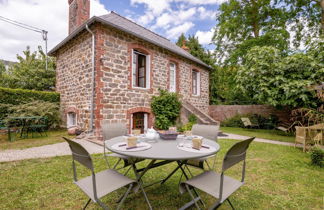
(48, 15)
(175, 32)
(205, 37)
(202, 2)
(155, 6)
(206, 14)
(174, 18)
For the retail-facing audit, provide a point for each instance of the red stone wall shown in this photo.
(223, 112)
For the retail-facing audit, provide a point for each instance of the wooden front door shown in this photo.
(139, 121)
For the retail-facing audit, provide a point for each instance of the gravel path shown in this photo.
(61, 149)
(45, 151)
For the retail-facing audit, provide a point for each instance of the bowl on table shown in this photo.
(168, 135)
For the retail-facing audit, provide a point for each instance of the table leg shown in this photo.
(139, 179)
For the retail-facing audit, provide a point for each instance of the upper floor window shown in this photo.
(172, 74)
(140, 70)
(195, 83)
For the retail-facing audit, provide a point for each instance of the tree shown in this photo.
(243, 24)
(271, 78)
(2, 68)
(30, 72)
(181, 40)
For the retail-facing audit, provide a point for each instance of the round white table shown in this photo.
(165, 150)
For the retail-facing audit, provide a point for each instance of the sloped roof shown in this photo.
(121, 23)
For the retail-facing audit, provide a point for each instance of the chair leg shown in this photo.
(230, 203)
(86, 204)
(102, 205)
(124, 197)
(191, 195)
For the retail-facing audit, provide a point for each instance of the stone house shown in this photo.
(108, 68)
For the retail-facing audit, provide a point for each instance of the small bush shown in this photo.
(166, 108)
(4, 110)
(192, 118)
(317, 156)
(38, 108)
(21, 96)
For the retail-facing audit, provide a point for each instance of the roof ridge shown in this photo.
(139, 25)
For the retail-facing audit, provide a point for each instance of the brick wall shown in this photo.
(115, 99)
(223, 112)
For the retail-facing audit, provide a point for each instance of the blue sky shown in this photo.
(171, 17)
(166, 17)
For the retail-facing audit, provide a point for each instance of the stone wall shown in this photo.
(73, 78)
(115, 98)
(223, 112)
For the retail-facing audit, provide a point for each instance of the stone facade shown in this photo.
(115, 98)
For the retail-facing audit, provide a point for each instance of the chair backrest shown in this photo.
(236, 153)
(246, 121)
(206, 131)
(112, 130)
(80, 154)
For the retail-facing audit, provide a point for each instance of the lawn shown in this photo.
(277, 177)
(260, 133)
(53, 137)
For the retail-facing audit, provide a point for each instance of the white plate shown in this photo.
(122, 146)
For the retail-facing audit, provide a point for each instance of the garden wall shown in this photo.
(223, 112)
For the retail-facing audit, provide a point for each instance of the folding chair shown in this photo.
(98, 184)
(218, 185)
(112, 130)
(208, 132)
(248, 124)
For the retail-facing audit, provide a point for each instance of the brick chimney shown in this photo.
(79, 12)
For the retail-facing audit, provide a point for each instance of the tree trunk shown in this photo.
(255, 18)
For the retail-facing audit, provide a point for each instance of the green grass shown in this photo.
(276, 135)
(277, 177)
(53, 137)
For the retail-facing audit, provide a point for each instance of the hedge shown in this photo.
(21, 96)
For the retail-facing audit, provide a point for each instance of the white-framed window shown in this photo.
(195, 83)
(71, 119)
(173, 76)
(139, 121)
(140, 70)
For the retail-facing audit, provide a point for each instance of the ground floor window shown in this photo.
(139, 121)
(71, 119)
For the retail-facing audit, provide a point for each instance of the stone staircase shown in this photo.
(202, 117)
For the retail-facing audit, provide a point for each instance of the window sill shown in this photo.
(140, 88)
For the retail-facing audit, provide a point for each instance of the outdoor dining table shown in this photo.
(160, 153)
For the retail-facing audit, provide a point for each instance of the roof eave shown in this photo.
(98, 19)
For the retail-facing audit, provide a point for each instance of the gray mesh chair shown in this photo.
(109, 131)
(98, 184)
(218, 185)
(208, 132)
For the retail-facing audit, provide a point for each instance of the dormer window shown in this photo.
(140, 70)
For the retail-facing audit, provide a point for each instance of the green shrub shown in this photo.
(166, 108)
(192, 118)
(4, 110)
(317, 156)
(21, 96)
(46, 109)
(263, 122)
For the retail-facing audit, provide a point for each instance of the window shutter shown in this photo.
(148, 70)
(134, 68)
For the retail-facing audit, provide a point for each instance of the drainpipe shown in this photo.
(92, 79)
